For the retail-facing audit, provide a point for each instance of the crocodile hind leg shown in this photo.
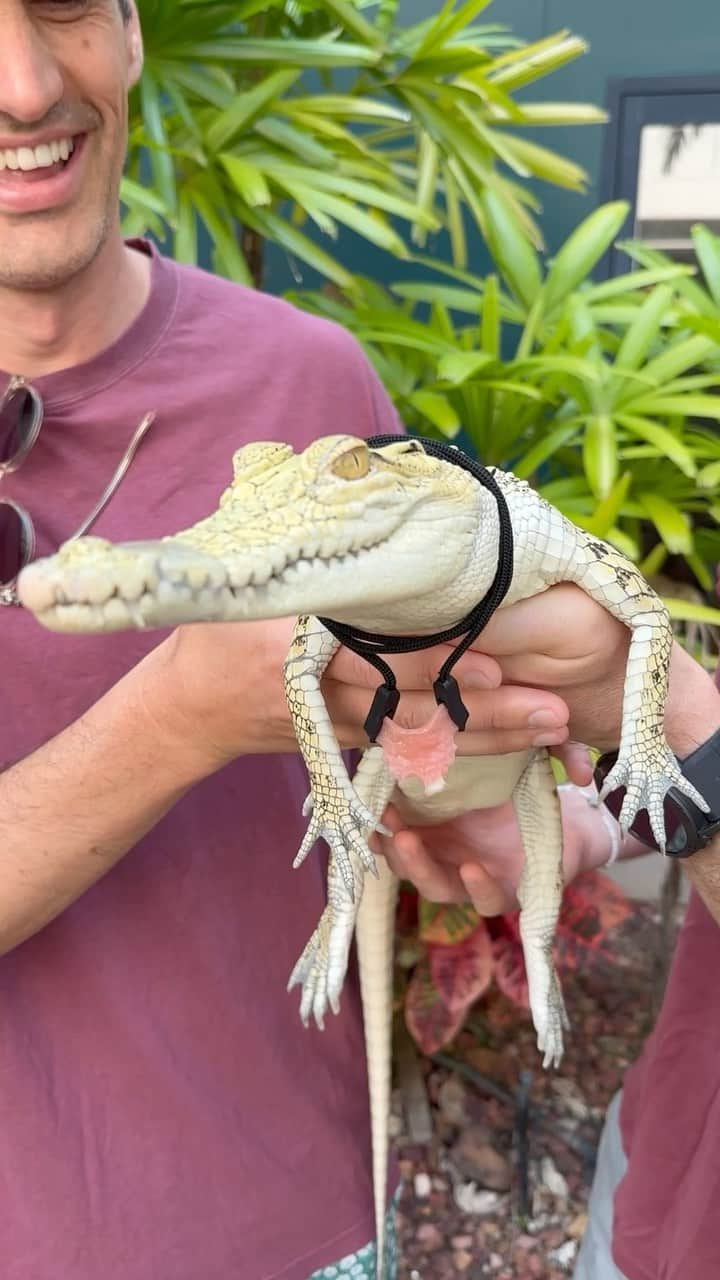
(537, 809)
(321, 969)
(322, 966)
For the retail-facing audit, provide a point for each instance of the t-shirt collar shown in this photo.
(132, 348)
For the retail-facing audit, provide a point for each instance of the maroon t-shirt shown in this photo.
(163, 1113)
(667, 1207)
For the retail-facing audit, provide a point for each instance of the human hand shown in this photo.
(478, 856)
(220, 686)
(563, 641)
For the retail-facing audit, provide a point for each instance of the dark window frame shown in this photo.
(632, 104)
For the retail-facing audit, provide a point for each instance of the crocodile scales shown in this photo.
(391, 540)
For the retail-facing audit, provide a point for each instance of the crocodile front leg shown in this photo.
(645, 766)
(537, 809)
(338, 815)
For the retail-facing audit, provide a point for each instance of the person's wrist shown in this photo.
(692, 711)
(596, 833)
(180, 733)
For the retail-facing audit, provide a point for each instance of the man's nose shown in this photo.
(31, 81)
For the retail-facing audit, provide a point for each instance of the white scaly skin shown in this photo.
(397, 541)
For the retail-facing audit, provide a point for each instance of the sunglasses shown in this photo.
(21, 417)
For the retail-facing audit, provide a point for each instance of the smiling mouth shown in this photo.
(21, 166)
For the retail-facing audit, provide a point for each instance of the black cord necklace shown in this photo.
(369, 645)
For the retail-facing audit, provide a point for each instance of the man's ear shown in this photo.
(134, 42)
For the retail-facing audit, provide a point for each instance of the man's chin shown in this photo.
(46, 257)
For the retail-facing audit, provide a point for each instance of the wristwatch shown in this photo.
(687, 828)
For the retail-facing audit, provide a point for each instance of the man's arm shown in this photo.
(203, 697)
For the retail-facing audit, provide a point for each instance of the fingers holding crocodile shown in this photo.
(510, 718)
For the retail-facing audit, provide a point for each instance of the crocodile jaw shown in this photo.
(95, 586)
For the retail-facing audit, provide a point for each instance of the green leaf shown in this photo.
(249, 181)
(350, 18)
(298, 245)
(229, 123)
(490, 324)
(515, 259)
(563, 113)
(687, 611)
(671, 524)
(235, 266)
(161, 163)
(282, 52)
(532, 61)
(644, 330)
(606, 512)
(680, 356)
(132, 194)
(438, 410)
(667, 444)
(600, 456)
(709, 476)
(446, 24)
(348, 107)
(541, 162)
(461, 365)
(707, 248)
(684, 405)
(582, 251)
(554, 440)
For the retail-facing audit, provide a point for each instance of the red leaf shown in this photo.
(592, 907)
(510, 966)
(428, 1019)
(447, 923)
(462, 973)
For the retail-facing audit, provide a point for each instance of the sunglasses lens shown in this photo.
(16, 541)
(18, 423)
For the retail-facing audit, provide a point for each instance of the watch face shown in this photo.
(681, 831)
(687, 828)
(676, 835)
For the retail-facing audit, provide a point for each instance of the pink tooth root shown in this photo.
(425, 753)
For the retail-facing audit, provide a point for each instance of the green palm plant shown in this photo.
(602, 395)
(284, 121)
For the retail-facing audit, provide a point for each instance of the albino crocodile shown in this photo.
(393, 540)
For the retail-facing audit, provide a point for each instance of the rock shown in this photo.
(429, 1237)
(553, 1179)
(470, 1200)
(462, 1260)
(565, 1255)
(451, 1099)
(576, 1228)
(462, 1242)
(475, 1158)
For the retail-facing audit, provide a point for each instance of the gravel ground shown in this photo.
(495, 1186)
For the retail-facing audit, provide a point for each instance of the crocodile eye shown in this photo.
(353, 464)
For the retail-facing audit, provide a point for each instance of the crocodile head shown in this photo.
(340, 529)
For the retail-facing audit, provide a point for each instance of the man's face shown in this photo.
(65, 70)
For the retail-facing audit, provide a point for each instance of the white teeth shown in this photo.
(26, 159)
(41, 157)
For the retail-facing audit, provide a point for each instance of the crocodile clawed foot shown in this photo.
(345, 827)
(647, 777)
(321, 969)
(547, 1005)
